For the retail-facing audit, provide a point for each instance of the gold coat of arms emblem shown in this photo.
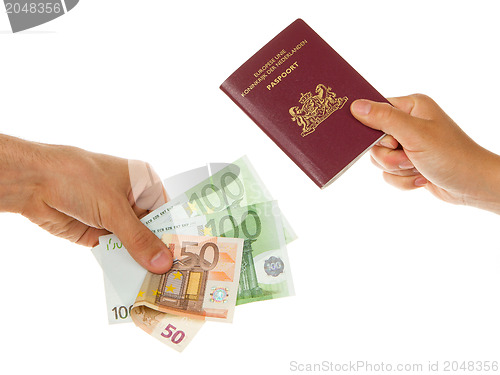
(316, 108)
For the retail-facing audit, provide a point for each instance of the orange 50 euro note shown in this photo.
(201, 285)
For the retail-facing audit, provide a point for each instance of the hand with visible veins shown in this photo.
(425, 148)
(79, 195)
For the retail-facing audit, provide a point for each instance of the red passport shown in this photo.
(298, 90)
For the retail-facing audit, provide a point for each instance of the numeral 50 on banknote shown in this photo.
(190, 259)
(171, 333)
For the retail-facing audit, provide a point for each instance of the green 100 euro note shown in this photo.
(236, 185)
(265, 269)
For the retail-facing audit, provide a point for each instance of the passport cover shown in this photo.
(298, 90)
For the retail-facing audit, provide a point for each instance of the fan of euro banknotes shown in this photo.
(228, 238)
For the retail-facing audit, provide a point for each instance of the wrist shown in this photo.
(486, 194)
(21, 172)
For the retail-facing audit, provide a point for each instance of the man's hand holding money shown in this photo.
(79, 195)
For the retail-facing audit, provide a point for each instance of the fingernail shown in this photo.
(406, 165)
(420, 181)
(361, 107)
(160, 260)
(387, 145)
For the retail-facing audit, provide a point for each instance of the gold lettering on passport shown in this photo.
(284, 74)
(291, 53)
(316, 108)
(268, 68)
(269, 64)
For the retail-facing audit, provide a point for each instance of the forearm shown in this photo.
(20, 174)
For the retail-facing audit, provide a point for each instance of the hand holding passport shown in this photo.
(298, 90)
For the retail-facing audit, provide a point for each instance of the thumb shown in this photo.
(382, 116)
(147, 249)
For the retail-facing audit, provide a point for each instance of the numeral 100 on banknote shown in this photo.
(122, 312)
(218, 194)
(249, 231)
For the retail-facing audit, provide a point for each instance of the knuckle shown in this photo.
(393, 180)
(384, 112)
(423, 99)
(141, 241)
(387, 159)
(374, 162)
(400, 182)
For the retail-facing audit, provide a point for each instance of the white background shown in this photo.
(381, 275)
